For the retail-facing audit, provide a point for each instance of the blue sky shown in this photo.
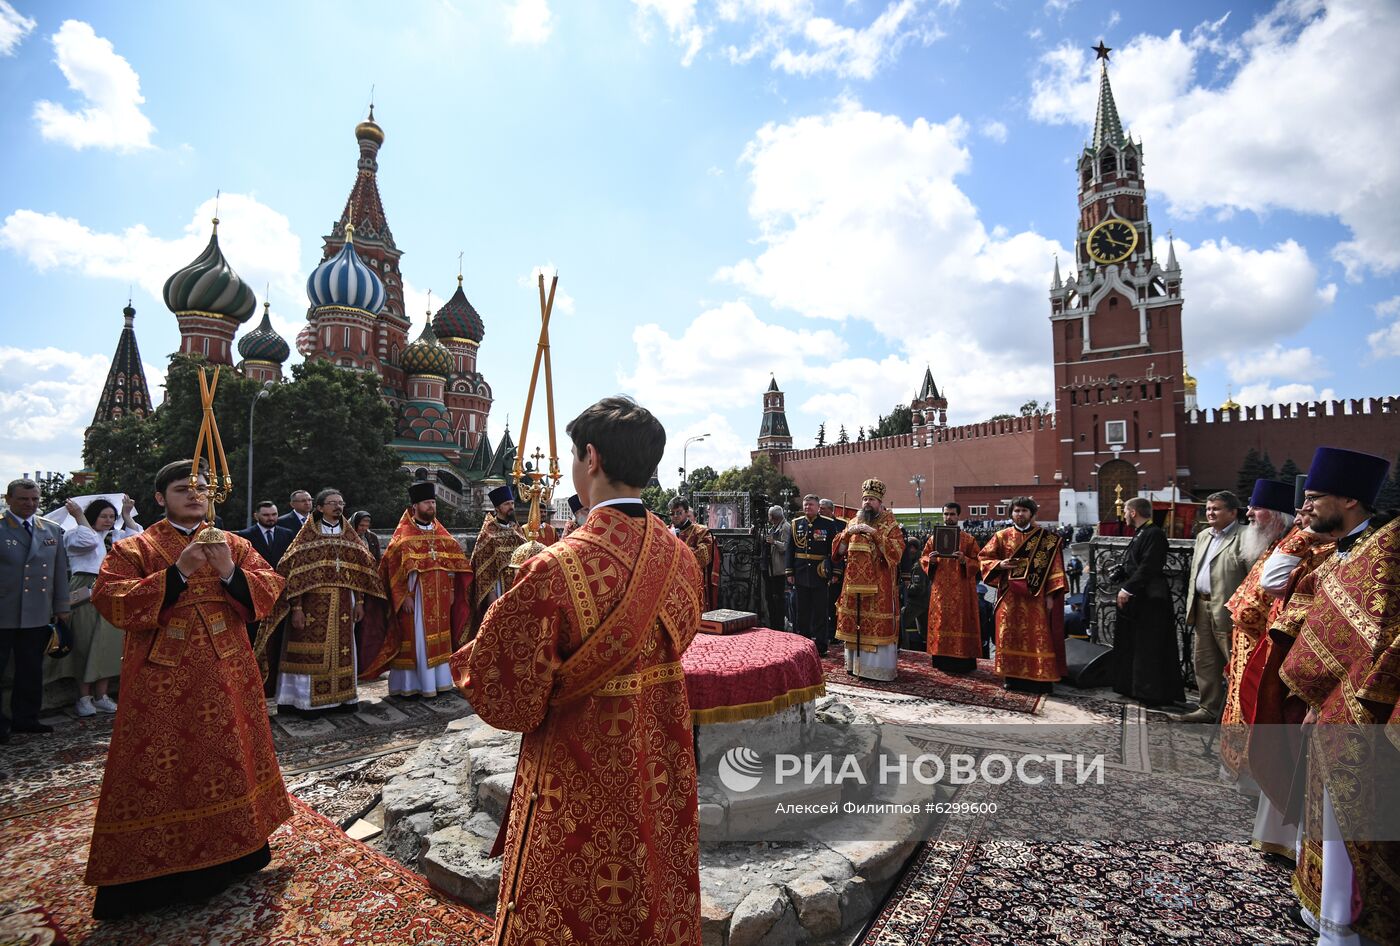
(838, 193)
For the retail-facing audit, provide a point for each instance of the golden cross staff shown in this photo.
(1118, 499)
(536, 485)
(209, 446)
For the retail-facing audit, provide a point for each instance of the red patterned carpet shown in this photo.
(918, 678)
(321, 888)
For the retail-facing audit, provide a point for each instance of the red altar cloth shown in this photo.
(735, 677)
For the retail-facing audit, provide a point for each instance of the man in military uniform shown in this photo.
(833, 594)
(809, 570)
(33, 591)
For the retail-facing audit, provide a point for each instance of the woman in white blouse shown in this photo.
(97, 645)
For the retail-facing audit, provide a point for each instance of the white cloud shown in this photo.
(722, 449)
(47, 398)
(1385, 343)
(14, 27)
(563, 302)
(798, 41)
(994, 130)
(1298, 126)
(859, 217)
(1253, 297)
(257, 241)
(531, 22)
(1275, 363)
(726, 352)
(111, 91)
(1255, 394)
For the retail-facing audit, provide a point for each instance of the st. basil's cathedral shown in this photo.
(356, 320)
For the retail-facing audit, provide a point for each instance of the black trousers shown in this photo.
(27, 694)
(812, 616)
(775, 596)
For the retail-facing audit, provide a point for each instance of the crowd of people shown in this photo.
(1292, 600)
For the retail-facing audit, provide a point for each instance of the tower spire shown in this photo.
(1108, 128)
(1057, 282)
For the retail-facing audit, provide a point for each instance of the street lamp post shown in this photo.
(266, 389)
(684, 466)
(918, 483)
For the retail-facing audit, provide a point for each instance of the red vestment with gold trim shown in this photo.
(1249, 607)
(868, 606)
(191, 779)
(490, 562)
(1030, 603)
(701, 542)
(1345, 664)
(954, 627)
(444, 577)
(583, 656)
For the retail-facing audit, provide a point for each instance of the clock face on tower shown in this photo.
(1111, 241)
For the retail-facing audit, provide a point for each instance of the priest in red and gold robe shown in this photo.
(1345, 665)
(1270, 515)
(428, 579)
(867, 555)
(500, 535)
(191, 789)
(701, 542)
(954, 628)
(583, 655)
(1026, 565)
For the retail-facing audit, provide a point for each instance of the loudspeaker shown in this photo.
(1090, 665)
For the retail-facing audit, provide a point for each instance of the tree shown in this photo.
(899, 421)
(1389, 497)
(762, 477)
(1255, 467)
(860, 438)
(1289, 471)
(843, 437)
(702, 477)
(821, 434)
(1033, 407)
(658, 500)
(55, 489)
(1267, 466)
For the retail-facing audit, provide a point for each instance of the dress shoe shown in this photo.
(1295, 913)
(31, 727)
(1197, 715)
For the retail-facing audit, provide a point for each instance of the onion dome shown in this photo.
(370, 129)
(1230, 403)
(211, 286)
(426, 355)
(1187, 381)
(459, 318)
(263, 343)
(306, 340)
(345, 281)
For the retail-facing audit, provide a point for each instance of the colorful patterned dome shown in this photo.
(306, 340)
(344, 280)
(458, 318)
(263, 343)
(426, 355)
(210, 285)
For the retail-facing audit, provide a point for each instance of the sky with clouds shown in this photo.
(834, 193)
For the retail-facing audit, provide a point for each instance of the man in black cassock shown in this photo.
(1148, 667)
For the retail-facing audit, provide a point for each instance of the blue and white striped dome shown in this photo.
(344, 280)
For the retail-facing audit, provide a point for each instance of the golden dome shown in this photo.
(1186, 379)
(1229, 404)
(370, 129)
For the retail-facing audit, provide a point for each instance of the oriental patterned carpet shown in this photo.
(971, 883)
(918, 678)
(321, 887)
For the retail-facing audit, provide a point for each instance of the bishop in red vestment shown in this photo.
(583, 655)
(954, 628)
(1026, 564)
(191, 790)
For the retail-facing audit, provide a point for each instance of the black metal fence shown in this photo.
(1104, 554)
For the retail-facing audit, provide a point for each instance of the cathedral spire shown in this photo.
(1057, 282)
(125, 391)
(1108, 128)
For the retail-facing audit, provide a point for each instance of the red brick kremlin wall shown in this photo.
(1214, 447)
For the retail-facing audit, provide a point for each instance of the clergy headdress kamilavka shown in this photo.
(1348, 473)
(500, 495)
(575, 504)
(1271, 494)
(872, 489)
(422, 491)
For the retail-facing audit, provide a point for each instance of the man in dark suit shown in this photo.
(1148, 667)
(295, 518)
(270, 539)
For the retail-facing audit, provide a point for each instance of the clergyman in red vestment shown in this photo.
(954, 629)
(428, 579)
(583, 655)
(701, 542)
(191, 789)
(867, 554)
(1027, 567)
